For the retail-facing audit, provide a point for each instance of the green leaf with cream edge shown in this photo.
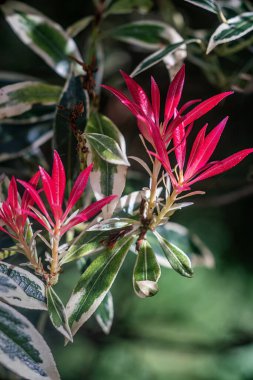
(88, 243)
(22, 349)
(45, 37)
(147, 272)
(21, 288)
(95, 283)
(179, 261)
(57, 314)
(148, 34)
(160, 55)
(232, 30)
(208, 5)
(105, 313)
(106, 178)
(15, 99)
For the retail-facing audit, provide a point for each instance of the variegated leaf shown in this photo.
(74, 99)
(42, 35)
(114, 224)
(147, 271)
(209, 5)
(179, 261)
(127, 6)
(107, 148)
(22, 349)
(198, 252)
(88, 243)
(57, 313)
(95, 283)
(15, 99)
(232, 30)
(74, 29)
(106, 178)
(160, 55)
(148, 34)
(21, 288)
(105, 313)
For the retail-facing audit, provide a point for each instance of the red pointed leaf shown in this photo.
(206, 149)
(155, 97)
(77, 189)
(139, 95)
(13, 194)
(58, 179)
(179, 140)
(174, 95)
(224, 165)
(204, 107)
(124, 100)
(197, 143)
(27, 199)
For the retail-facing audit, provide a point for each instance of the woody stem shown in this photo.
(55, 256)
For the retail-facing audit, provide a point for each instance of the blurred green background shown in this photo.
(193, 329)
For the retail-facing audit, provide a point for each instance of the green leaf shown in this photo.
(73, 98)
(107, 148)
(114, 224)
(160, 55)
(88, 243)
(147, 272)
(42, 35)
(95, 283)
(15, 99)
(127, 6)
(105, 313)
(106, 178)
(74, 29)
(21, 288)
(209, 5)
(179, 261)
(232, 30)
(57, 313)
(198, 252)
(22, 349)
(149, 34)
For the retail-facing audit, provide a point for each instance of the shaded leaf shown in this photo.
(57, 313)
(127, 6)
(42, 35)
(147, 272)
(22, 349)
(232, 30)
(104, 313)
(74, 29)
(15, 99)
(95, 282)
(73, 98)
(21, 288)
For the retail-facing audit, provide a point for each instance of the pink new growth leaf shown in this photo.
(54, 189)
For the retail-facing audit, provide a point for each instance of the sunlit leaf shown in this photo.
(21, 288)
(57, 313)
(42, 35)
(104, 313)
(146, 271)
(159, 55)
(179, 261)
(232, 30)
(15, 99)
(95, 282)
(22, 349)
(209, 5)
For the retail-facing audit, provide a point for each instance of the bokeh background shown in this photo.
(193, 329)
